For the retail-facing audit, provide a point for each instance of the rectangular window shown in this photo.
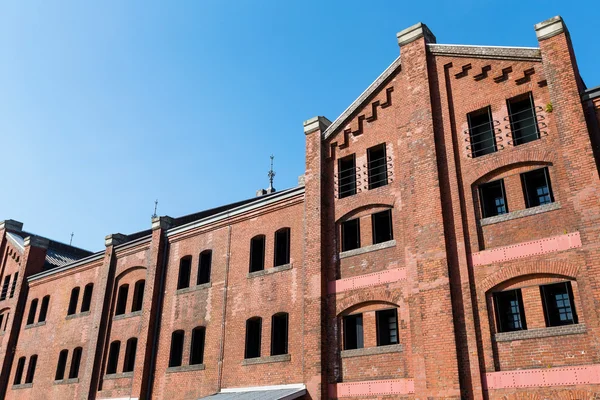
(387, 327)
(253, 336)
(204, 267)
(5, 287)
(14, 285)
(481, 132)
(351, 234)
(353, 332)
(282, 246)
(31, 369)
(257, 253)
(113, 357)
(279, 334)
(347, 176)
(559, 307)
(122, 299)
(138, 295)
(493, 199)
(523, 121)
(185, 269)
(377, 166)
(19, 371)
(537, 188)
(510, 315)
(382, 226)
(197, 352)
(176, 356)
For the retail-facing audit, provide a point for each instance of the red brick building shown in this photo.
(443, 243)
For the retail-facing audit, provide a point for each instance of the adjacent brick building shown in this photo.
(443, 243)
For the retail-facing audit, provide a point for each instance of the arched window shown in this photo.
(122, 299)
(113, 357)
(204, 267)
(253, 334)
(32, 311)
(257, 253)
(75, 361)
(185, 268)
(87, 297)
(19, 371)
(62, 363)
(31, 368)
(73, 301)
(44, 308)
(279, 334)
(176, 355)
(130, 350)
(282, 246)
(197, 350)
(138, 295)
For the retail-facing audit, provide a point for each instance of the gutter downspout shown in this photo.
(224, 311)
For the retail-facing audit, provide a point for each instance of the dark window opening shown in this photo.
(257, 253)
(73, 301)
(351, 234)
(279, 334)
(122, 299)
(387, 327)
(31, 368)
(537, 188)
(1, 320)
(523, 121)
(14, 285)
(44, 308)
(176, 356)
(253, 335)
(282, 246)
(347, 176)
(130, 350)
(19, 371)
(62, 363)
(5, 287)
(87, 297)
(6, 322)
(510, 315)
(204, 267)
(559, 307)
(197, 350)
(113, 357)
(32, 311)
(377, 166)
(382, 226)
(138, 295)
(75, 361)
(185, 268)
(493, 199)
(353, 332)
(481, 132)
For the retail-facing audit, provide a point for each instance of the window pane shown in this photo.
(377, 166)
(353, 332)
(537, 188)
(493, 199)
(387, 327)
(5, 287)
(346, 176)
(382, 226)
(509, 311)
(351, 234)
(523, 121)
(14, 285)
(559, 307)
(481, 132)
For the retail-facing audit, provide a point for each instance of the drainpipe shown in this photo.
(224, 311)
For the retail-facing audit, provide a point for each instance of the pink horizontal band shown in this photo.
(374, 279)
(527, 249)
(366, 388)
(562, 376)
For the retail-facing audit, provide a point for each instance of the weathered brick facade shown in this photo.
(421, 256)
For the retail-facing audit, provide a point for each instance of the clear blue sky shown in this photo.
(107, 106)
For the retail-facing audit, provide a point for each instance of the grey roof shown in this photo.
(592, 93)
(276, 394)
(18, 240)
(497, 52)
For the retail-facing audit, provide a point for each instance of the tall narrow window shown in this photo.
(279, 334)
(75, 361)
(113, 357)
(44, 308)
(282, 246)
(510, 315)
(73, 301)
(382, 226)
(5, 287)
(87, 297)
(19, 371)
(176, 356)
(1, 319)
(62, 363)
(138, 295)
(257, 253)
(130, 350)
(351, 234)
(377, 166)
(559, 307)
(197, 350)
(32, 311)
(537, 188)
(122, 299)
(204, 267)
(185, 268)
(6, 322)
(387, 327)
(253, 334)
(347, 176)
(14, 285)
(481, 132)
(523, 121)
(31, 368)
(493, 199)
(353, 332)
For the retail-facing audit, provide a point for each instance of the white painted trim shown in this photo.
(479, 45)
(299, 386)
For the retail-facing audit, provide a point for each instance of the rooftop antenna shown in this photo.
(71, 241)
(155, 206)
(271, 175)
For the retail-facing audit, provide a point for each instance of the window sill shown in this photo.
(30, 326)
(129, 315)
(23, 386)
(520, 214)
(367, 249)
(269, 271)
(541, 333)
(193, 288)
(82, 314)
(66, 381)
(267, 360)
(118, 376)
(185, 368)
(370, 351)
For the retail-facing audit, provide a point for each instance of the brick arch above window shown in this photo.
(366, 297)
(367, 206)
(484, 171)
(126, 272)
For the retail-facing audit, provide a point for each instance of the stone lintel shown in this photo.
(114, 239)
(164, 222)
(36, 241)
(550, 27)
(316, 124)
(415, 32)
(11, 225)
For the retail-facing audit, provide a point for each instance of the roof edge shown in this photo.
(478, 51)
(53, 271)
(590, 94)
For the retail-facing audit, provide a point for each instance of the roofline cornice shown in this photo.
(591, 94)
